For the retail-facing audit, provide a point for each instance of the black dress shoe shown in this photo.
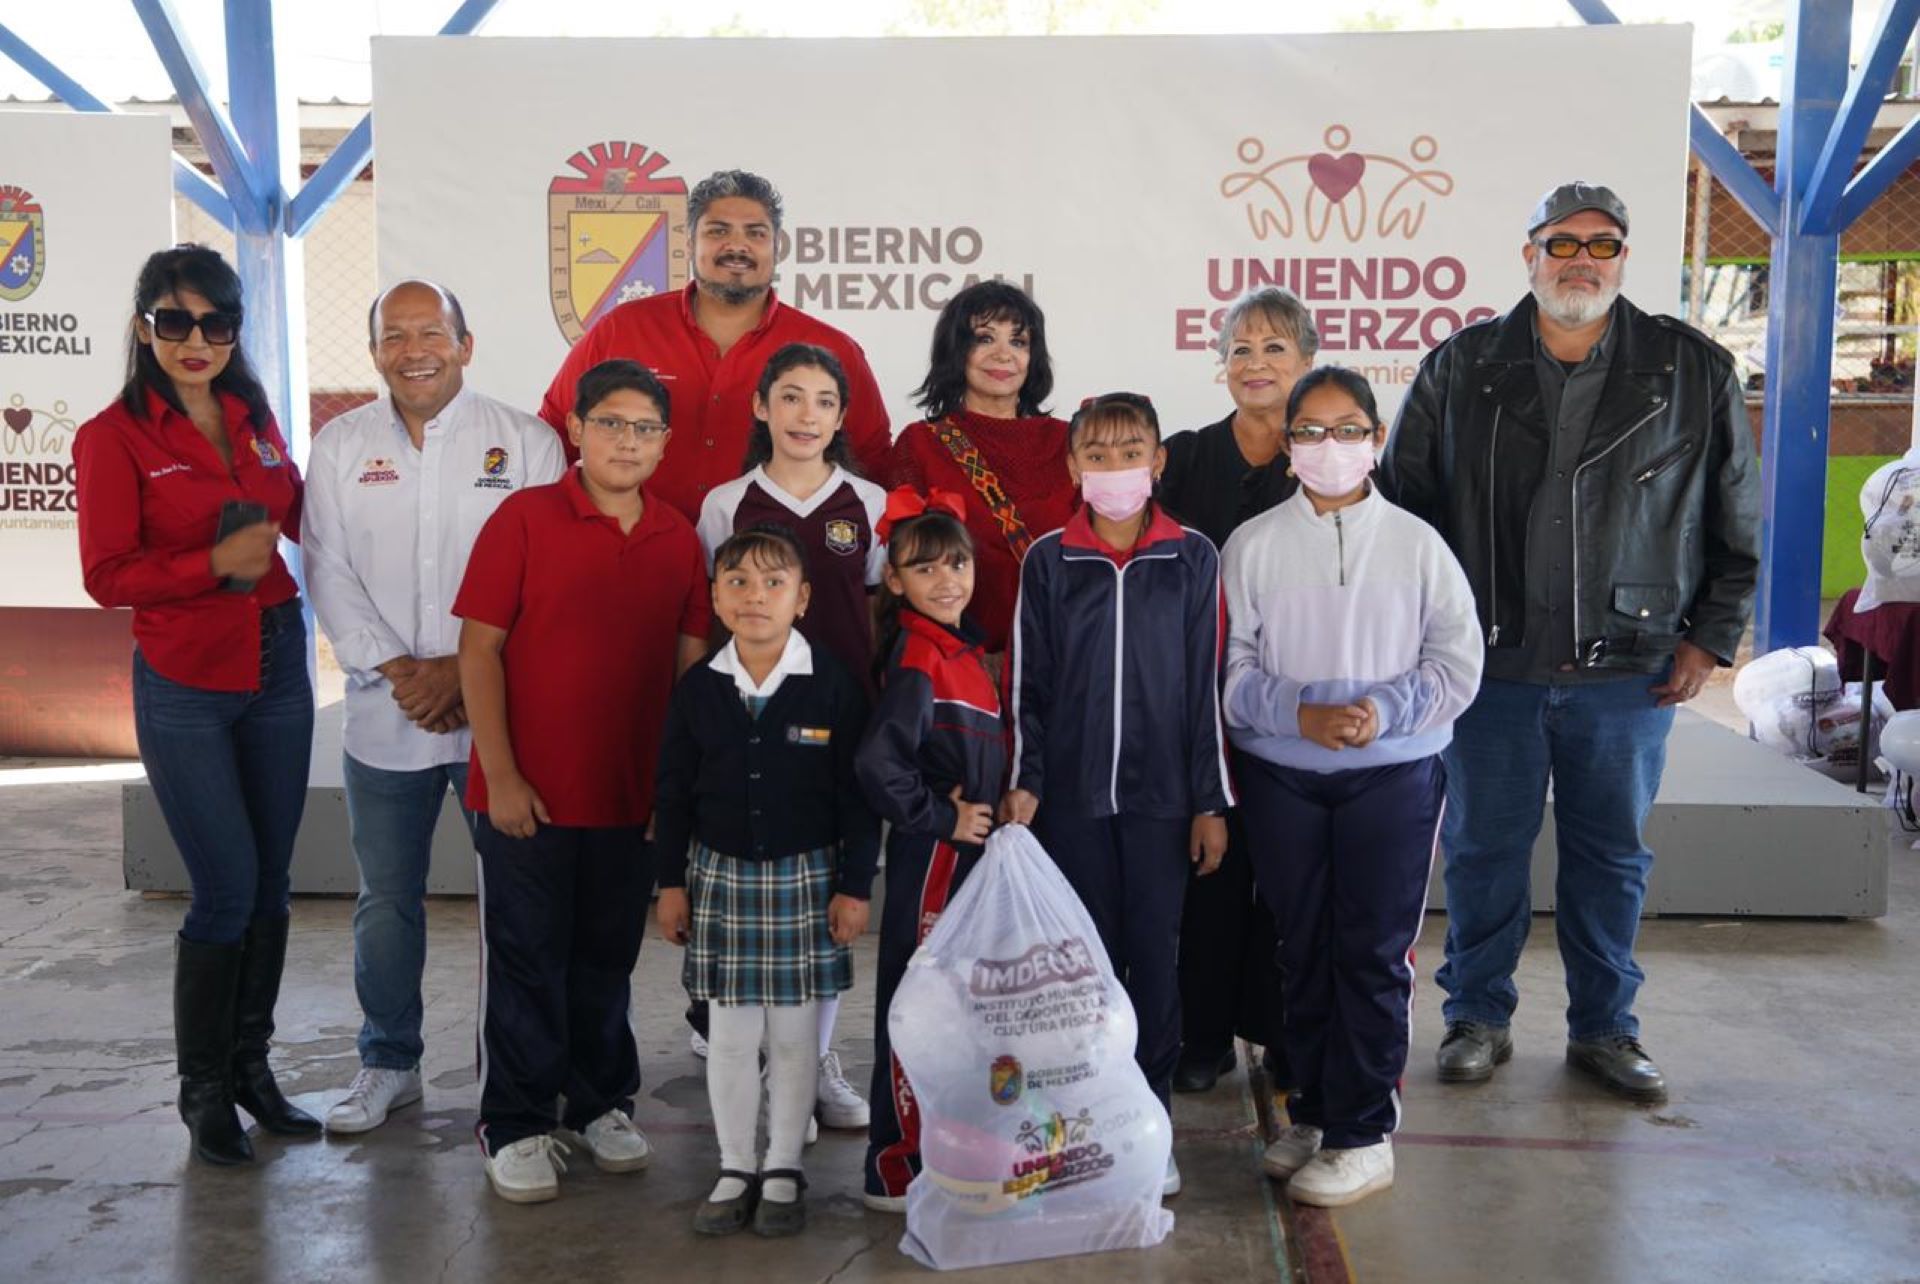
(1621, 1065)
(777, 1218)
(1199, 1074)
(725, 1216)
(1470, 1051)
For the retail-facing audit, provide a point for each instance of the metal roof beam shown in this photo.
(1833, 170)
(187, 180)
(326, 183)
(247, 189)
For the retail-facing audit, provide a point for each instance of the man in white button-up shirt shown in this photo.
(396, 492)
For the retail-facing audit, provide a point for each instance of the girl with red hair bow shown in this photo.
(932, 761)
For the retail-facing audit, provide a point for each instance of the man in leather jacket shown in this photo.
(1592, 467)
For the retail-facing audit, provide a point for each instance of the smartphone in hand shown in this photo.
(235, 515)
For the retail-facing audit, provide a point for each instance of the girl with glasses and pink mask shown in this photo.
(1353, 647)
(1119, 758)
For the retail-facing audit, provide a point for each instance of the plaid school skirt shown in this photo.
(760, 933)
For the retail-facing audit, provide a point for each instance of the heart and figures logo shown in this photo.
(31, 431)
(1372, 194)
(37, 475)
(1341, 227)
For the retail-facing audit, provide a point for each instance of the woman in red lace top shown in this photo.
(986, 437)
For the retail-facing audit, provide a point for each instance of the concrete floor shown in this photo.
(1791, 1149)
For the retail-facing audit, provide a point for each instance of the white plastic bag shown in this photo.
(1836, 726)
(1784, 692)
(1890, 536)
(1039, 1136)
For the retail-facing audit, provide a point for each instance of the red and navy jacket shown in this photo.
(1116, 673)
(937, 725)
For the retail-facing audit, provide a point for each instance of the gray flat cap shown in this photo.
(1569, 199)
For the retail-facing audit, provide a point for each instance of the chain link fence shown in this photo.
(1877, 314)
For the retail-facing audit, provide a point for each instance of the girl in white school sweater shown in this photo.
(1352, 647)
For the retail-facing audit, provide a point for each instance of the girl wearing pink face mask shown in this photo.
(1119, 755)
(1353, 647)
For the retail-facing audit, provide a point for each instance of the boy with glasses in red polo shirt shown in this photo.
(583, 601)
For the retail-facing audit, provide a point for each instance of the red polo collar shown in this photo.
(1079, 533)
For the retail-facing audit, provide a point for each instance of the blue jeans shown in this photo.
(391, 815)
(229, 770)
(1603, 745)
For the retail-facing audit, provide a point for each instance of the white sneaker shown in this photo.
(837, 1105)
(528, 1171)
(373, 1094)
(1336, 1178)
(1288, 1153)
(884, 1203)
(615, 1144)
(1171, 1186)
(698, 1042)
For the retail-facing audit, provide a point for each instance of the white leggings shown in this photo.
(792, 1033)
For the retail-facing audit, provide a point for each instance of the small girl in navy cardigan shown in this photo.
(766, 850)
(933, 760)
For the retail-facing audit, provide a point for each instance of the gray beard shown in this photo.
(1574, 310)
(731, 295)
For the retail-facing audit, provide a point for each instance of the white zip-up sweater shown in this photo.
(1363, 603)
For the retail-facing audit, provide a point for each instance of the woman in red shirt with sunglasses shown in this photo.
(185, 487)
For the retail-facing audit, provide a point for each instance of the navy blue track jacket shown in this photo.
(1116, 674)
(937, 725)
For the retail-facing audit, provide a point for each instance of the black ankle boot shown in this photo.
(254, 1090)
(205, 980)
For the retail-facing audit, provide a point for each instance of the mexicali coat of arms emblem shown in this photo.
(23, 243)
(616, 231)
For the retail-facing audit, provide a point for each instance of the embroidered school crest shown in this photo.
(23, 243)
(269, 455)
(843, 536)
(494, 462)
(615, 232)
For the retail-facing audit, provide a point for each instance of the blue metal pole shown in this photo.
(247, 190)
(271, 264)
(1800, 291)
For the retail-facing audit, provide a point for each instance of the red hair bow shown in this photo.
(904, 503)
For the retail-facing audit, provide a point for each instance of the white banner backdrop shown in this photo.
(1135, 185)
(84, 199)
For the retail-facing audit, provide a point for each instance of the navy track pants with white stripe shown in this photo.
(1131, 874)
(1342, 858)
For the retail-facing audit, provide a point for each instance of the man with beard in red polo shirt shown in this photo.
(709, 342)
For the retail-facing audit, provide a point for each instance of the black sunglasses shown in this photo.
(1566, 247)
(174, 325)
